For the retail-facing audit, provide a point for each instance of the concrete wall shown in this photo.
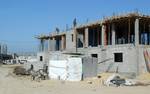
(106, 61)
(36, 65)
(133, 58)
(69, 42)
(129, 64)
(89, 67)
(134, 62)
(52, 44)
(45, 56)
(57, 55)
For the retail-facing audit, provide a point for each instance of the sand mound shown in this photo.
(104, 76)
(145, 76)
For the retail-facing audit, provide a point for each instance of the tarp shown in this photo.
(57, 69)
(74, 71)
(70, 69)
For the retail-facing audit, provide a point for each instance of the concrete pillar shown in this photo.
(63, 42)
(136, 32)
(49, 42)
(113, 38)
(103, 35)
(75, 39)
(54, 44)
(86, 37)
(136, 39)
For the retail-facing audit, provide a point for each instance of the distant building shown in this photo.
(3, 52)
(3, 49)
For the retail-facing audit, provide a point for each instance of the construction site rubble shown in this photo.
(20, 71)
(117, 80)
(38, 75)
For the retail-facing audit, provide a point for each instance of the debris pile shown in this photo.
(117, 80)
(38, 75)
(20, 71)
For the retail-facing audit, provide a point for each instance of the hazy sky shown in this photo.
(21, 20)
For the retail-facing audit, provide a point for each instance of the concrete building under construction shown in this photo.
(120, 43)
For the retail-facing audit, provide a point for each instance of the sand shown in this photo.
(12, 84)
(144, 76)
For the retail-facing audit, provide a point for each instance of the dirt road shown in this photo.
(11, 84)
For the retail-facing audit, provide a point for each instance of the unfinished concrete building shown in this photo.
(120, 44)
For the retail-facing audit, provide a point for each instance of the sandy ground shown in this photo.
(11, 84)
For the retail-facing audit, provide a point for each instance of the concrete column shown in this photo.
(75, 39)
(103, 35)
(113, 38)
(136, 39)
(49, 48)
(53, 38)
(63, 42)
(54, 44)
(86, 37)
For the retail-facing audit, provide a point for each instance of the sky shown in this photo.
(22, 20)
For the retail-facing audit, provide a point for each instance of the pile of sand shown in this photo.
(145, 76)
(104, 76)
